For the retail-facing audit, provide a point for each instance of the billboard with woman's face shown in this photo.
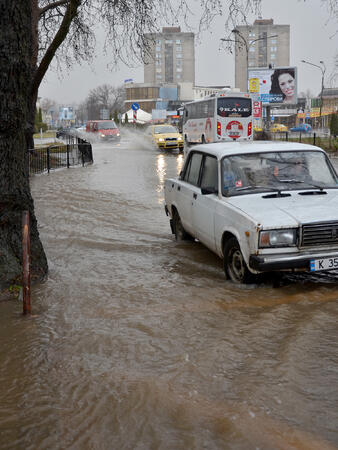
(274, 86)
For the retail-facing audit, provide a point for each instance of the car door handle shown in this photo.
(195, 195)
(178, 188)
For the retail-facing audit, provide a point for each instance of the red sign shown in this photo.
(134, 116)
(234, 129)
(257, 109)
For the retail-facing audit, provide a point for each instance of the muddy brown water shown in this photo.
(138, 342)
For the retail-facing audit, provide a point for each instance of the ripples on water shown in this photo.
(139, 342)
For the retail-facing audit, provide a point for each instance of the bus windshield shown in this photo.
(234, 107)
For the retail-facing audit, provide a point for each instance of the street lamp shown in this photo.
(247, 46)
(322, 69)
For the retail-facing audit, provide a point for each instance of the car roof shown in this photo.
(220, 149)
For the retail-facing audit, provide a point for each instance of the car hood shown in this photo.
(167, 135)
(109, 132)
(289, 211)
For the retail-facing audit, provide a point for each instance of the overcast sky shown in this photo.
(312, 37)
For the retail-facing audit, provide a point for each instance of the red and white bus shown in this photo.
(219, 117)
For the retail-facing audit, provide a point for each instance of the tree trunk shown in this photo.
(15, 196)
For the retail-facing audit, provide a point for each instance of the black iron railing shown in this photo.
(75, 152)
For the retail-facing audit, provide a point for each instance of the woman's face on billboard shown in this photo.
(287, 84)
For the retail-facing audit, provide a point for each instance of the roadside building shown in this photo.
(255, 47)
(170, 57)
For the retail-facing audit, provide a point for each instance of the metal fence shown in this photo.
(75, 152)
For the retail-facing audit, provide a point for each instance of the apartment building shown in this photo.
(260, 45)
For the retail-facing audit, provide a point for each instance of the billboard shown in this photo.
(274, 86)
(65, 113)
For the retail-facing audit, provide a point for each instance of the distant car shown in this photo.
(165, 136)
(62, 132)
(104, 130)
(302, 128)
(258, 128)
(278, 128)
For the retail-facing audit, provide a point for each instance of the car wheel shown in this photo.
(235, 267)
(180, 233)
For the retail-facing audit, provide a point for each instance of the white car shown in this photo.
(261, 206)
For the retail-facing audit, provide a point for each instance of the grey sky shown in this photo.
(312, 37)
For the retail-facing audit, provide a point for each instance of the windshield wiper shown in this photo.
(302, 182)
(265, 189)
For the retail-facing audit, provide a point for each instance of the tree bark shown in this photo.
(16, 44)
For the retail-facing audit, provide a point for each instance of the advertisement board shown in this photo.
(66, 113)
(274, 86)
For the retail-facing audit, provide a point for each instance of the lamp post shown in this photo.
(322, 69)
(247, 46)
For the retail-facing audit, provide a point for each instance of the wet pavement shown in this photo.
(138, 342)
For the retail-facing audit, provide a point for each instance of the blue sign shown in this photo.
(128, 80)
(272, 119)
(307, 115)
(135, 106)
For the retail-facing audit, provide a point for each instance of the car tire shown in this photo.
(179, 231)
(235, 267)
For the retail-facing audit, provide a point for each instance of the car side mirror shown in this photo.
(209, 190)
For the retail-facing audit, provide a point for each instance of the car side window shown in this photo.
(209, 177)
(192, 171)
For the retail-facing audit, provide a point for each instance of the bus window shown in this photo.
(234, 107)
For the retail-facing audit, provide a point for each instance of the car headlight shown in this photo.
(277, 238)
(102, 135)
(180, 138)
(117, 134)
(160, 140)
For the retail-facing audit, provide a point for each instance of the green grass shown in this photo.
(46, 134)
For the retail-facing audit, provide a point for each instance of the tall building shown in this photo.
(171, 57)
(255, 47)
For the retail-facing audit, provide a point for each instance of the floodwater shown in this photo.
(138, 342)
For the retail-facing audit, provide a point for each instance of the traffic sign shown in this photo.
(135, 106)
(272, 119)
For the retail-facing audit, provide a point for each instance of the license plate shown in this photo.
(324, 264)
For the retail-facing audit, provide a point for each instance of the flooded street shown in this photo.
(139, 342)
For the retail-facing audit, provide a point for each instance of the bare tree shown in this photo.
(32, 34)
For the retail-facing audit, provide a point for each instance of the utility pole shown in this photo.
(322, 69)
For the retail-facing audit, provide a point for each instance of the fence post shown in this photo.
(286, 135)
(67, 156)
(82, 157)
(300, 137)
(48, 159)
(26, 283)
(314, 138)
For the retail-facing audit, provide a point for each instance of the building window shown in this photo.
(178, 48)
(252, 49)
(158, 55)
(178, 69)
(159, 70)
(273, 56)
(158, 77)
(178, 76)
(168, 41)
(158, 62)
(273, 41)
(273, 49)
(252, 34)
(178, 41)
(179, 55)
(251, 63)
(158, 48)
(158, 41)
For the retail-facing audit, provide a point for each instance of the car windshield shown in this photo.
(107, 125)
(276, 171)
(165, 129)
